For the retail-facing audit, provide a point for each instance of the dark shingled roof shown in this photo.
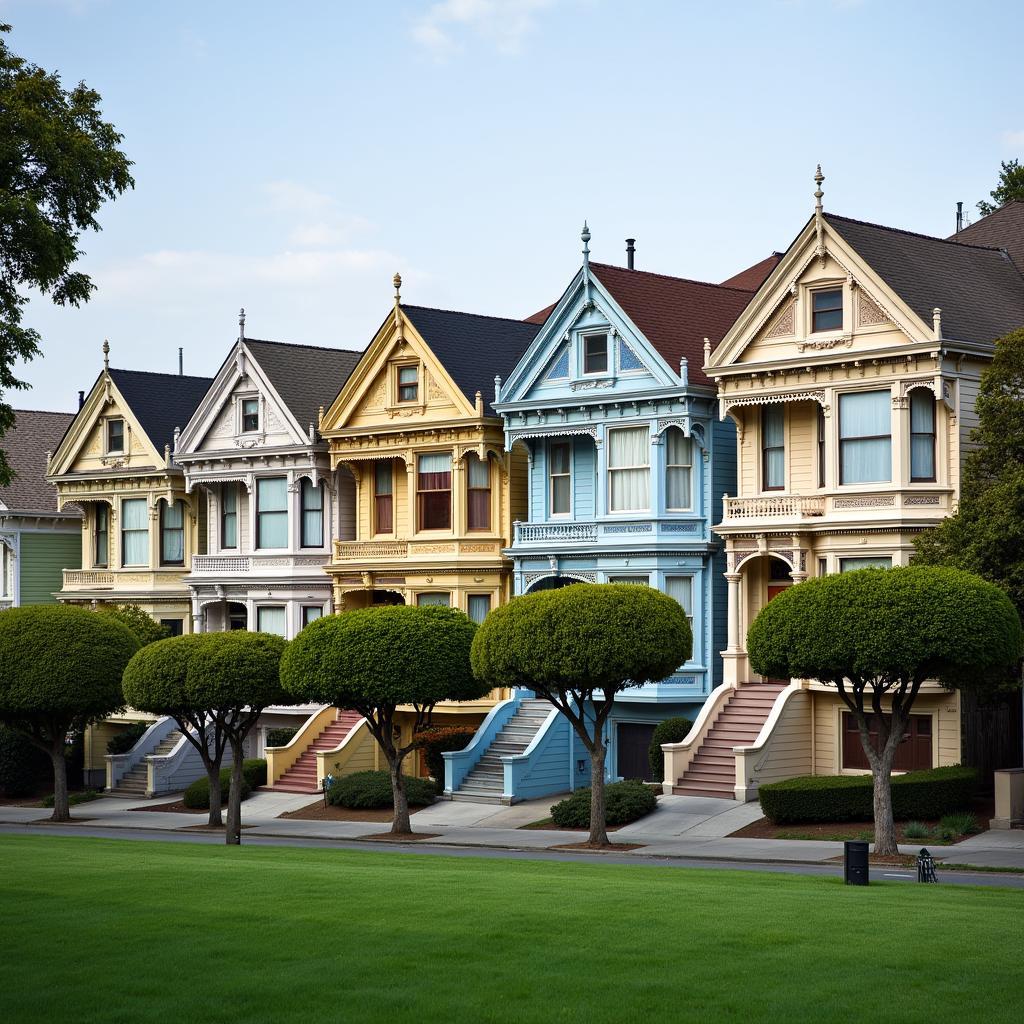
(26, 444)
(160, 401)
(753, 277)
(305, 376)
(978, 289)
(473, 348)
(675, 314)
(1003, 229)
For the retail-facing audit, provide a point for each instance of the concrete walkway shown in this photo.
(695, 828)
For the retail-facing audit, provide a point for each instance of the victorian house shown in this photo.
(851, 380)
(627, 461)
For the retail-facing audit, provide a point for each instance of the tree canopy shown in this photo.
(1011, 186)
(141, 623)
(59, 161)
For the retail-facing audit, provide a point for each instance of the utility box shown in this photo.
(855, 862)
(1009, 793)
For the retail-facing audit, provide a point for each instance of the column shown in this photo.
(734, 579)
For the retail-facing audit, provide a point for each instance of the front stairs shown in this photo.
(485, 784)
(134, 782)
(301, 777)
(712, 772)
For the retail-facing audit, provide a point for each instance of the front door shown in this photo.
(633, 740)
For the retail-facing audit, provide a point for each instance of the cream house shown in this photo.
(851, 378)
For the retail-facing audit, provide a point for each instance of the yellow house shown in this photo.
(851, 378)
(139, 526)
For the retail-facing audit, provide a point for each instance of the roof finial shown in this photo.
(819, 225)
(818, 194)
(106, 354)
(397, 282)
(241, 324)
(585, 238)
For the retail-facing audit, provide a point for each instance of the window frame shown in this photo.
(304, 617)
(862, 437)
(815, 329)
(108, 423)
(98, 563)
(225, 513)
(307, 486)
(415, 384)
(780, 410)
(282, 608)
(260, 513)
(124, 532)
(844, 562)
(470, 490)
(420, 493)
(165, 507)
(927, 394)
(420, 603)
(378, 496)
(553, 477)
(482, 597)
(689, 577)
(822, 428)
(670, 466)
(586, 339)
(629, 469)
(242, 415)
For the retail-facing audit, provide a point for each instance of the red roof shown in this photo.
(674, 314)
(541, 315)
(755, 276)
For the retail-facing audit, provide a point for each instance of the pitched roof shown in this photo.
(160, 401)
(473, 348)
(541, 315)
(755, 276)
(675, 314)
(979, 290)
(305, 376)
(1003, 228)
(26, 444)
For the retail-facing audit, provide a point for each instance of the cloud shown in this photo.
(315, 220)
(1013, 139)
(504, 24)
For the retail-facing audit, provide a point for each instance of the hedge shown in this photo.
(624, 802)
(372, 791)
(820, 798)
(123, 741)
(280, 737)
(672, 730)
(254, 771)
(436, 739)
(24, 768)
(197, 796)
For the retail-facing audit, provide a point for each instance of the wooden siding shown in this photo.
(42, 559)
(801, 447)
(787, 752)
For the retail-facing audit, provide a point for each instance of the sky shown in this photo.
(289, 158)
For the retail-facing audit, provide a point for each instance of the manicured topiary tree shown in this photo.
(877, 635)
(235, 676)
(671, 730)
(374, 659)
(577, 648)
(60, 670)
(141, 623)
(156, 681)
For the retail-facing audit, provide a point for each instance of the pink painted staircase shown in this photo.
(301, 777)
(712, 772)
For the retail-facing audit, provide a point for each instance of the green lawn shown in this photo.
(111, 931)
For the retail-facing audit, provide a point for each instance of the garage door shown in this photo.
(634, 739)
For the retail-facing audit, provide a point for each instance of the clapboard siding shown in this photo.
(43, 558)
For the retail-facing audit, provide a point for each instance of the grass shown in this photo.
(118, 931)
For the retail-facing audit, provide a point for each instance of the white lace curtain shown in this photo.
(629, 469)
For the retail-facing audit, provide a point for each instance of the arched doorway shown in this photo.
(551, 583)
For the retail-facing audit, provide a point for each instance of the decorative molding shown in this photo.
(378, 396)
(590, 385)
(922, 499)
(869, 313)
(682, 528)
(875, 501)
(785, 325)
(529, 578)
(783, 396)
(629, 528)
(555, 430)
(825, 344)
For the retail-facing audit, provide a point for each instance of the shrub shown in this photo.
(280, 737)
(24, 768)
(372, 791)
(624, 802)
(127, 738)
(952, 826)
(917, 830)
(197, 796)
(438, 738)
(254, 771)
(816, 798)
(672, 730)
(75, 798)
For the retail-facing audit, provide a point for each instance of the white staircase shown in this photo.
(135, 781)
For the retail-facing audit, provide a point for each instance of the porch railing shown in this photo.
(350, 550)
(563, 532)
(790, 506)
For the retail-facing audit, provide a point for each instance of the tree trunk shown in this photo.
(61, 808)
(598, 829)
(400, 825)
(233, 831)
(216, 800)
(881, 774)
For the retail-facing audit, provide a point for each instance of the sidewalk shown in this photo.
(689, 827)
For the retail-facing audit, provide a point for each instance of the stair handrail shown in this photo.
(280, 759)
(349, 740)
(459, 763)
(679, 755)
(176, 769)
(748, 786)
(118, 765)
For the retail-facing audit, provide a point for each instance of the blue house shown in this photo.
(628, 462)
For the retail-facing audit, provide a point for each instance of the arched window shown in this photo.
(678, 471)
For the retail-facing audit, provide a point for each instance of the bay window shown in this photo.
(865, 440)
(310, 613)
(864, 562)
(478, 493)
(172, 533)
(272, 512)
(229, 516)
(773, 448)
(101, 537)
(383, 497)
(922, 435)
(271, 619)
(678, 471)
(312, 524)
(434, 491)
(681, 589)
(560, 477)
(479, 606)
(134, 532)
(434, 600)
(629, 469)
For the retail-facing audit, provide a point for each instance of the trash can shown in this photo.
(855, 862)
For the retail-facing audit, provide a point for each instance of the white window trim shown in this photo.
(420, 399)
(689, 465)
(809, 291)
(609, 470)
(551, 483)
(609, 357)
(261, 411)
(125, 436)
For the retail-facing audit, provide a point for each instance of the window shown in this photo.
(434, 491)
(5, 558)
(310, 613)
(229, 516)
(115, 436)
(312, 497)
(250, 415)
(408, 383)
(172, 533)
(821, 447)
(922, 435)
(773, 448)
(383, 498)
(101, 538)
(678, 471)
(478, 493)
(595, 353)
(174, 626)
(435, 600)
(479, 606)
(865, 444)
(629, 454)
(827, 310)
(560, 476)
(867, 562)
(272, 512)
(822, 566)
(271, 619)
(134, 532)
(681, 588)
(914, 752)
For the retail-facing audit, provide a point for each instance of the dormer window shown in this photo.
(408, 383)
(115, 436)
(595, 353)
(827, 310)
(250, 415)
